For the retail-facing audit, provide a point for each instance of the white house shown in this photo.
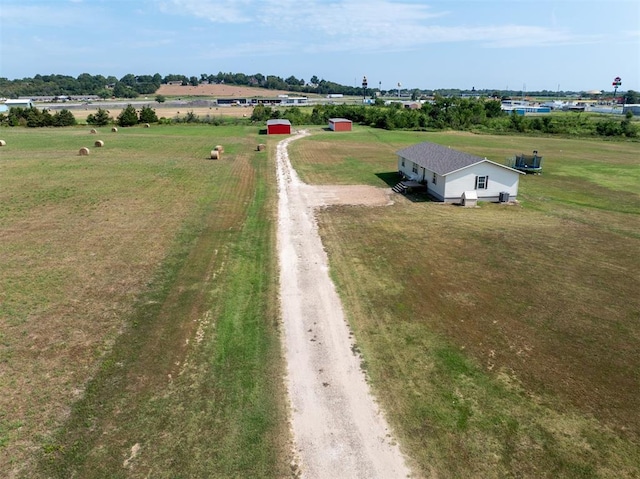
(448, 173)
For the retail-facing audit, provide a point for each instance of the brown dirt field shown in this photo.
(171, 111)
(217, 91)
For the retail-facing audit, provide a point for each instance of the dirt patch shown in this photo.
(363, 195)
(217, 91)
(170, 111)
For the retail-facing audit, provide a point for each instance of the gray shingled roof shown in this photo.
(437, 158)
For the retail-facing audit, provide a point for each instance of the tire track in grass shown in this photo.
(171, 398)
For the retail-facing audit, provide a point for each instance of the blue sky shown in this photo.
(520, 45)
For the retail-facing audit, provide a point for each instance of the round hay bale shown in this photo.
(219, 148)
(114, 129)
(262, 147)
(94, 131)
(84, 151)
(3, 143)
(215, 155)
(147, 125)
(99, 143)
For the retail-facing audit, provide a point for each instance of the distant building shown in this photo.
(294, 100)
(340, 124)
(19, 103)
(522, 107)
(232, 101)
(278, 127)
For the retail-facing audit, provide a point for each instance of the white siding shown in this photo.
(408, 170)
(500, 179)
(438, 189)
(425, 175)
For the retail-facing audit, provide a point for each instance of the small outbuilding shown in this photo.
(447, 174)
(19, 103)
(340, 124)
(469, 198)
(278, 127)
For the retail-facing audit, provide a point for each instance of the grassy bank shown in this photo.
(138, 306)
(500, 339)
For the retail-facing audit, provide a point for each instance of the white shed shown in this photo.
(19, 103)
(469, 198)
(448, 173)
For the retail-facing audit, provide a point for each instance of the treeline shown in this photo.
(457, 114)
(442, 113)
(131, 86)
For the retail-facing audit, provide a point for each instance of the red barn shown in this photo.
(339, 124)
(278, 127)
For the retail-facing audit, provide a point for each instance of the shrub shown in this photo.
(128, 117)
(100, 118)
(148, 115)
(64, 118)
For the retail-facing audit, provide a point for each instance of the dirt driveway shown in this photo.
(338, 429)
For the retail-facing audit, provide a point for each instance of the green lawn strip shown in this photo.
(246, 354)
(221, 412)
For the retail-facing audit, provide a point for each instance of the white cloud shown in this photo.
(357, 25)
(216, 11)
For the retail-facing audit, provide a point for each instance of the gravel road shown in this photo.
(338, 429)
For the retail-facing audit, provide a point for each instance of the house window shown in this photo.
(415, 168)
(434, 179)
(482, 182)
(403, 162)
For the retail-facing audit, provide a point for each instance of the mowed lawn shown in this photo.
(501, 340)
(138, 310)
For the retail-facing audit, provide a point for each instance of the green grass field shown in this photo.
(500, 339)
(139, 323)
(138, 306)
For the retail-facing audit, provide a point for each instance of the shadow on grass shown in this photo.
(392, 178)
(419, 197)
